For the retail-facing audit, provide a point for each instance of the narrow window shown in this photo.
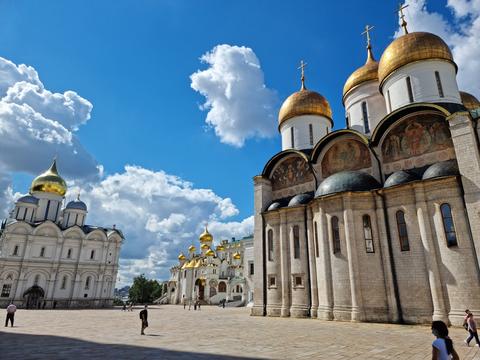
(296, 242)
(335, 235)
(271, 281)
(87, 283)
(47, 209)
(36, 280)
(310, 130)
(64, 283)
(92, 254)
(367, 234)
(68, 219)
(24, 215)
(76, 219)
(69, 254)
(402, 231)
(252, 269)
(448, 225)
(298, 281)
(365, 117)
(18, 211)
(42, 252)
(185, 274)
(389, 101)
(15, 250)
(316, 238)
(439, 84)
(409, 88)
(6, 290)
(270, 245)
(292, 138)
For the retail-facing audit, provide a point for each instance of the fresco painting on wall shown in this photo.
(292, 171)
(346, 155)
(416, 136)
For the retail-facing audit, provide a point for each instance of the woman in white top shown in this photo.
(442, 346)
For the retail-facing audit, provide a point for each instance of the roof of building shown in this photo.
(28, 199)
(300, 199)
(399, 177)
(441, 169)
(347, 181)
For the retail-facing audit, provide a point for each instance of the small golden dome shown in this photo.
(206, 236)
(204, 247)
(304, 102)
(181, 257)
(210, 253)
(220, 248)
(412, 47)
(237, 256)
(368, 72)
(49, 182)
(469, 101)
(192, 248)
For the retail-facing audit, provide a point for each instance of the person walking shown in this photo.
(472, 329)
(184, 301)
(144, 318)
(124, 308)
(442, 346)
(130, 307)
(10, 314)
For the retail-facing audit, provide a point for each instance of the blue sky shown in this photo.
(132, 60)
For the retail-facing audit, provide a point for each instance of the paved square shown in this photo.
(211, 333)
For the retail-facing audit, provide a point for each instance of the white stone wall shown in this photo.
(321, 126)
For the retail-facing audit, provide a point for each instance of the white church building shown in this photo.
(49, 257)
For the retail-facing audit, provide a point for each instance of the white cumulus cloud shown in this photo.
(462, 34)
(239, 104)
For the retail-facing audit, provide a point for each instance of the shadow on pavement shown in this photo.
(23, 346)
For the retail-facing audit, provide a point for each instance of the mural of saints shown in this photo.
(290, 172)
(347, 154)
(416, 136)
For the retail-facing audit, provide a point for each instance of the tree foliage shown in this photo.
(144, 290)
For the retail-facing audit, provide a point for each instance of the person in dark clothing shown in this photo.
(144, 319)
(10, 314)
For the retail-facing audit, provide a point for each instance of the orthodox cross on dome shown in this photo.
(402, 17)
(302, 68)
(367, 32)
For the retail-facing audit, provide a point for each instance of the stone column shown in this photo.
(324, 274)
(285, 234)
(262, 198)
(431, 256)
(274, 293)
(466, 146)
(311, 242)
(348, 219)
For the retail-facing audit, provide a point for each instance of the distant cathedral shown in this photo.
(49, 257)
(379, 221)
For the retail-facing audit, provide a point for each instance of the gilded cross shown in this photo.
(402, 16)
(302, 68)
(367, 32)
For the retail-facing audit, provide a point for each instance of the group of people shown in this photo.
(127, 308)
(196, 303)
(442, 346)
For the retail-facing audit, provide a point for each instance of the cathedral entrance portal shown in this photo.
(33, 297)
(201, 288)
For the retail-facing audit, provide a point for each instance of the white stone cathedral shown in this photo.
(379, 221)
(49, 257)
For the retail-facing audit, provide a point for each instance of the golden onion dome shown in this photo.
(49, 181)
(304, 102)
(410, 48)
(181, 257)
(469, 101)
(220, 248)
(204, 247)
(192, 248)
(206, 236)
(237, 256)
(210, 253)
(368, 72)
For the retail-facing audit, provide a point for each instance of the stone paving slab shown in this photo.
(212, 333)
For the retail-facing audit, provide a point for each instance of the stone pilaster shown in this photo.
(285, 264)
(311, 242)
(262, 198)
(324, 273)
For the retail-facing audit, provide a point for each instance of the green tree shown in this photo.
(144, 290)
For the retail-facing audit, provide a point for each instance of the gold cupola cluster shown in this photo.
(205, 236)
(304, 102)
(50, 182)
(469, 101)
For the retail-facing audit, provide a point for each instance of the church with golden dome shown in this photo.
(50, 257)
(214, 273)
(379, 221)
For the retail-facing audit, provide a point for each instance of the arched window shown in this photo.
(409, 89)
(310, 131)
(316, 238)
(367, 234)
(448, 225)
(69, 253)
(36, 280)
(270, 245)
(402, 231)
(296, 242)
(222, 287)
(64, 282)
(365, 117)
(335, 235)
(42, 252)
(92, 255)
(389, 101)
(87, 283)
(15, 250)
(292, 137)
(439, 84)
